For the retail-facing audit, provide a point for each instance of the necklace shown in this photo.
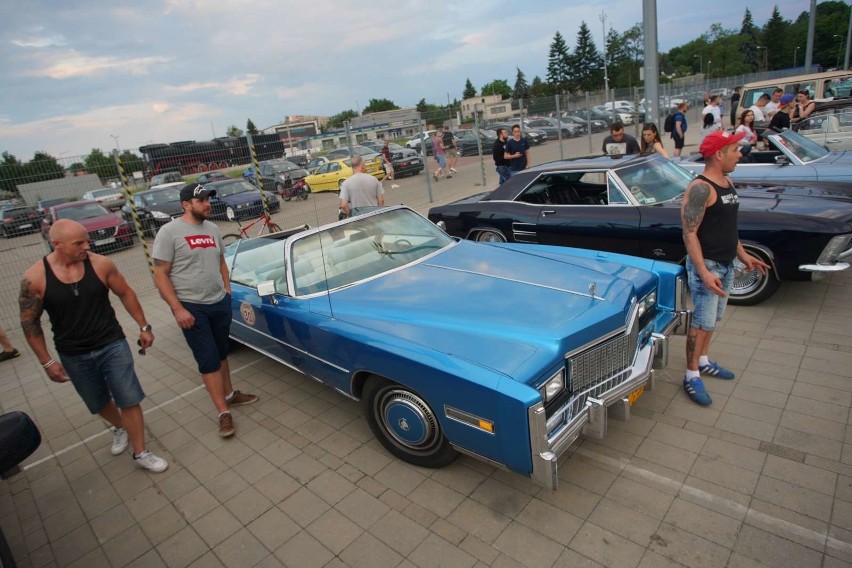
(74, 288)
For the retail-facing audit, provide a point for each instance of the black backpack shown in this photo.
(668, 125)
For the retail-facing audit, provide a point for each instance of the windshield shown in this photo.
(87, 211)
(159, 197)
(654, 181)
(803, 148)
(284, 167)
(239, 186)
(364, 247)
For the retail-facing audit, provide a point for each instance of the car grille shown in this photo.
(102, 234)
(601, 361)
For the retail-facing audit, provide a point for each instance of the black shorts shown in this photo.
(208, 338)
(678, 141)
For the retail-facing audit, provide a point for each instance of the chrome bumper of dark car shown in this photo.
(610, 400)
(835, 267)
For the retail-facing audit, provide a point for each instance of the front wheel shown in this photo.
(279, 189)
(405, 424)
(230, 238)
(750, 288)
(490, 236)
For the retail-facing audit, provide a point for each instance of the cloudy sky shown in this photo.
(91, 73)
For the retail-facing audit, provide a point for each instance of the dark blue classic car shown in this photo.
(631, 205)
(504, 352)
(238, 199)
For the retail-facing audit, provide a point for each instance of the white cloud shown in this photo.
(73, 64)
(234, 86)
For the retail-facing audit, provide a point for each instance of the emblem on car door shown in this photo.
(658, 252)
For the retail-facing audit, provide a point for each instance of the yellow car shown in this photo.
(330, 175)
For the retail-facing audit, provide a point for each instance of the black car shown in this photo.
(467, 142)
(405, 161)
(631, 205)
(597, 117)
(534, 136)
(155, 208)
(16, 220)
(42, 205)
(552, 127)
(280, 175)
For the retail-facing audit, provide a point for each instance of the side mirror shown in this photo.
(782, 161)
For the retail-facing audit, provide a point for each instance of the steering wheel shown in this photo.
(400, 243)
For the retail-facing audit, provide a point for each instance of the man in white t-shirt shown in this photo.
(713, 107)
(759, 107)
(774, 103)
(360, 190)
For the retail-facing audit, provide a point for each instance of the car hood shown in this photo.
(238, 198)
(829, 190)
(170, 208)
(504, 307)
(844, 157)
(102, 222)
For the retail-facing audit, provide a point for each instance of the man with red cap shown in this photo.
(709, 217)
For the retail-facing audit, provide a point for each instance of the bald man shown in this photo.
(73, 284)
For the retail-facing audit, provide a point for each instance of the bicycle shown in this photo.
(266, 223)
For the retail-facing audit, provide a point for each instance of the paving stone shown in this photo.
(368, 552)
(111, 523)
(331, 487)
(801, 474)
(606, 548)
(182, 548)
(335, 531)
(399, 532)
(527, 546)
(436, 552)
(775, 551)
(362, 508)
(787, 524)
(241, 549)
(725, 474)
(127, 546)
(500, 498)
(303, 551)
(216, 526)
(436, 498)
(812, 425)
(573, 559)
(622, 520)
(162, 524)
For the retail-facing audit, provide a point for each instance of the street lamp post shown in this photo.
(795, 53)
(700, 63)
(839, 48)
(114, 137)
(765, 64)
(606, 77)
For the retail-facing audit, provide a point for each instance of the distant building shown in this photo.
(492, 107)
(70, 187)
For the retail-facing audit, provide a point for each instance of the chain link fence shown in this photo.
(111, 195)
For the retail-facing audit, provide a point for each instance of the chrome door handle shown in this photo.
(548, 212)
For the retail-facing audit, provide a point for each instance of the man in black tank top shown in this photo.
(73, 286)
(709, 217)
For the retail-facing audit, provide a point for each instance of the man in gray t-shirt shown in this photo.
(360, 190)
(192, 277)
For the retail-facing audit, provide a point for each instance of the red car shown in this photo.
(107, 230)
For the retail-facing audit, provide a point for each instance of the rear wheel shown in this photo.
(405, 424)
(279, 189)
(489, 236)
(230, 238)
(752, 287)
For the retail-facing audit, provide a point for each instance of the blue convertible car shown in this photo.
(504, 352)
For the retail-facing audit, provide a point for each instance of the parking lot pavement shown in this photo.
(763, 477)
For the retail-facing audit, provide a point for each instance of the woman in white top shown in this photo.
(747, 125)
(709, 125)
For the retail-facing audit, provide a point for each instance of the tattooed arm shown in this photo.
(31, 304)
(695, 203)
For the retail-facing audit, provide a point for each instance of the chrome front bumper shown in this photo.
(591, 419)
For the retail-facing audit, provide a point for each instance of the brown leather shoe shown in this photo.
(226, 425)
(241, 398)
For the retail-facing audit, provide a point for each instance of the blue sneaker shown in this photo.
(695, 389)
(714, 370)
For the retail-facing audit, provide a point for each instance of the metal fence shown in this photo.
(104, 192)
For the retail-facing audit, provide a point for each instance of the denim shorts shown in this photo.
(442, 162)
(208, 338)
(105, 373)
(709, 308)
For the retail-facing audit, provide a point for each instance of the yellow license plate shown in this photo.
(634, 396)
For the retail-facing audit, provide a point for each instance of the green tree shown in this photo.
(749, 41)
(131, 162)
(234, 131)
(522, 89)
(772, 35)
(251, 128)
(559, 64)
(496, 87)
(101, 164)
(539, 88)
(338, 119)
(587, 64)
(379, 105)
(77, 168)
(469, 90)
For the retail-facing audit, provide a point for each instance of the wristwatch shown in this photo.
(145, 328)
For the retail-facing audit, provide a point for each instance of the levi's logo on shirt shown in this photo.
(200, 241)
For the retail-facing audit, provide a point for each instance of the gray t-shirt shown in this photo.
(194, 252)
(361, 190)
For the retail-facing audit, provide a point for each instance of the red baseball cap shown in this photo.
(717, 140)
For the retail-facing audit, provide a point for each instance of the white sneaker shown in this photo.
(147, 460)
(453, 170)
(394, 186)
(119, 441)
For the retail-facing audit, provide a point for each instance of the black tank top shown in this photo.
(81, 315)
(718, 230)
